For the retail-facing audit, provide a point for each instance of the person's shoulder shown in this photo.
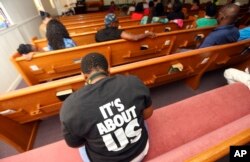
(129, 78)
(200, 19)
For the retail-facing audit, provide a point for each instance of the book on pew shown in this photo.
(144, 47)
(62, 95)
(175, 68)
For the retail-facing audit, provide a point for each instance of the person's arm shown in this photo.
(28, 56)
(71, 140)
(132, 37)
(210, 40)
(148, 112)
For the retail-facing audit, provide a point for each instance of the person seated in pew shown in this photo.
(226, 32)
(105, 119)
(111, 31)
(151, 18)
(26, 50)
(244, 33)
(112, 7)
(177, 11)
(159, 10)
(234, 75)
(58, 36)
(209, 19)
(139, 12)
(45, 19)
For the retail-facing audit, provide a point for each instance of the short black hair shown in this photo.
(44, 15)
(139, 7)
(24, 48)
(95, 61)
(211, 10)
(177, 7)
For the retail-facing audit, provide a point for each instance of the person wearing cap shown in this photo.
(111, 31)
(105, 118)
(45, 19)
(26, 50)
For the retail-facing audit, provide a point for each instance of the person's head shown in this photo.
(177, 6)
(230, 1)
(228, 14)
(55, 32)
(151, 4)
(133, 3)
(112, 3)
(139, 7)
(211, 10)
(111, 20)
(24, 49)
(197, 2)
(46, 17)
(159, 9)
(94, 63)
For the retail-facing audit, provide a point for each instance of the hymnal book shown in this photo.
(62, 95)
(175, 68)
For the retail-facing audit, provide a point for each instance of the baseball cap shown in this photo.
(110, 18)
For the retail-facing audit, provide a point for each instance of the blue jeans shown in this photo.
(83, 154)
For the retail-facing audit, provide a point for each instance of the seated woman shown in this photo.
(58, 36)
(209, 19)
(138, 14)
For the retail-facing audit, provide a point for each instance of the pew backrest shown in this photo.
(92, 21)
(57, 64)
(123, 25)
(43, 100)
(89, 37)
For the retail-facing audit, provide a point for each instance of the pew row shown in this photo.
(89, 37)
(122, 25)
(81, 17)
(78, 28)
(61, 63)
(217, 117)
(92, 21)
(43, 100)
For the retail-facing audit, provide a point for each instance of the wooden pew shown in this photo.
(89, 37)
(223, 148)
(219, 128)
(95, 27)
(51, 65)
(20, 136)
(83, 16)
(39, 101)
(122, 25)
(91, 21)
